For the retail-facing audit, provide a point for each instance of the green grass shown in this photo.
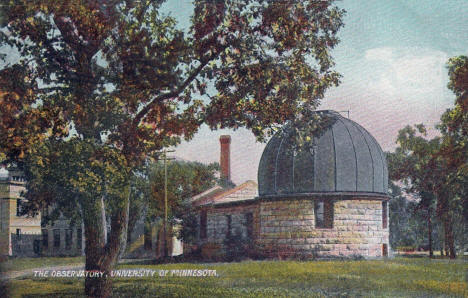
(17, 264)
(400, 277)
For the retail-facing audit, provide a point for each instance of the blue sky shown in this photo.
(392, 57)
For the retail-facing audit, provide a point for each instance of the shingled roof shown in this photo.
(218, 195)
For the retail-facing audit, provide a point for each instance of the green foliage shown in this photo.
(67, 174)
(400, 210)
(189, 220)
(139, 194)
(184, 181)
(124, 71)
(454, 128)
(408, 223)
(417, 164)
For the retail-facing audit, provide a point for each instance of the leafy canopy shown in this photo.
(120, 73)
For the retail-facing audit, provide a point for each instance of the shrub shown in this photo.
(238, 247)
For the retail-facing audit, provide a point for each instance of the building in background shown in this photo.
(20, 235)
(60, 237)
(30, 236)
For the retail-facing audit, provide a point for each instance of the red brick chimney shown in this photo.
(225, 159)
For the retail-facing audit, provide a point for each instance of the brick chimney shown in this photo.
(225, 159)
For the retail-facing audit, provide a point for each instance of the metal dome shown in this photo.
(344, 159)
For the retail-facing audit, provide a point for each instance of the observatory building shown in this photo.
(326, 199)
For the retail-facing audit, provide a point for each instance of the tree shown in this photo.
(105, 84)
(185, 180)
(418, 162)
(412, 162)
(454, 128)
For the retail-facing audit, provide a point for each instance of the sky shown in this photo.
(392, 57)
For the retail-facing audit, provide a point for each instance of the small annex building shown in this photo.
(327, 201)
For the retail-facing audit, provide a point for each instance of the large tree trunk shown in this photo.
(94, 250)
(102, 256)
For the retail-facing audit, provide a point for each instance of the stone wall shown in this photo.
(288, 229)
(217, 222)
(218, 245)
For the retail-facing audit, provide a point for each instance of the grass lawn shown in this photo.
(16, 264)
(399, 277)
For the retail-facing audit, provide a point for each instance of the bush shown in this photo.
(212, 251)
(237, 247)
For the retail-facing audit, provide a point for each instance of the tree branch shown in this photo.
(177, 90)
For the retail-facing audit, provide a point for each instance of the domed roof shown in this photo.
(343, 158)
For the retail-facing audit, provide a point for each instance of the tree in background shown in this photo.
(427, 174)
(139, 194)
(414, 163)
(454, 128)
(185, 180)
(101, 85)
(401, 232)
(409, 227)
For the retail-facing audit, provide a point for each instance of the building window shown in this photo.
(56, 238)
(18, 234)
(249, 222)
(384, 215)
(229, 225)
(79, 238)
(45, 238)
(323, 214)
(203, 220)
(18, 207)
(68, 238)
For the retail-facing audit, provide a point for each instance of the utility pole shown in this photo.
(165, 159)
